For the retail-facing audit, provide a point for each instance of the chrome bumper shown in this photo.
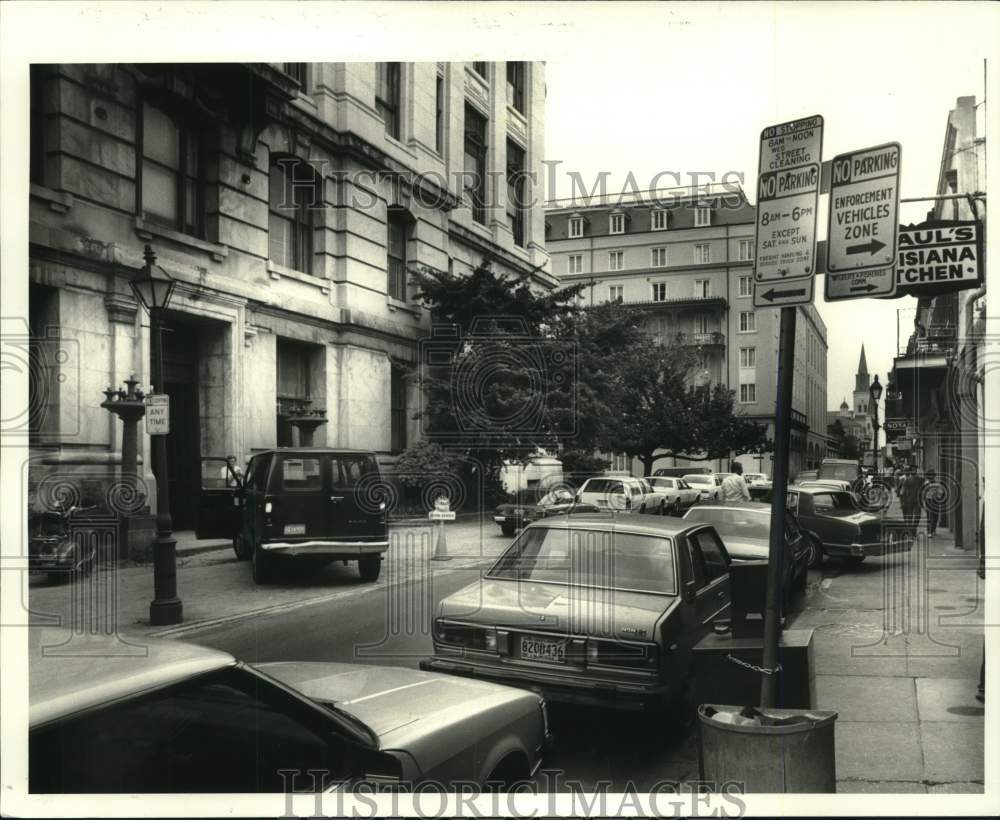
(628, 696)
(330, 548)
(873, 549)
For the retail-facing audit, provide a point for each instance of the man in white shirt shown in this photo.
(734, 488)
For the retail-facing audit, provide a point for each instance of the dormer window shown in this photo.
(659, 220)
(616, 223)
(702, 216)
(575, 227)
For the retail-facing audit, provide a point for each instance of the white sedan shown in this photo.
(708, 485)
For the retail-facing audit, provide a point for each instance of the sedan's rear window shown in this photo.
(698, 479)
(610, 560)
(603, 485)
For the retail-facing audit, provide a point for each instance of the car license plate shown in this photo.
(295, 529)
(540, 649)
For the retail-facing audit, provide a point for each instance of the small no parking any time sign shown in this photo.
(157, 414)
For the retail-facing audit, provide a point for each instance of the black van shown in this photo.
(315, 505)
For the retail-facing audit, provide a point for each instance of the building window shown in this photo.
(397, 226)
(702, 254)
(748, 393)
(297, 71)
(293, 386)
(172, 181)
(516, 200)
(616, 293)
(702, 216)
(576, 227)
(480, 69)
(616, 223)
(387, 96)
(574, 263)
(439, 116)
(397, 409)
(659, 291)
(702, 323)
(748, 321)
(702, 288)
(659, 220)
(475, 162)
(294, 195)
(616, 260)
(515, 85)
(746, 286)
(745, 250)
(658, 257)
(748, 357)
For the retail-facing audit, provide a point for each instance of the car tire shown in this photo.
(369, 569)
(261, 566)
(815, 553)
(508, 530)
(240, 547)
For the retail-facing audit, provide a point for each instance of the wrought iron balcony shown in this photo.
(710, 339)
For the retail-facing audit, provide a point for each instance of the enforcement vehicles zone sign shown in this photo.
(788, 186)
(863, 223)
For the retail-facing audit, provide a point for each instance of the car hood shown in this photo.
(406, 708)
(559, 608)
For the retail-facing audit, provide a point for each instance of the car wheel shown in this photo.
(369, 568)
(240, 547)
(815, 554)
(262, 566)
(508, 530)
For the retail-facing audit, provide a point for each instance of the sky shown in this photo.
(689, 90)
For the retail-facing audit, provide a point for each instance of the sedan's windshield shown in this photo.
(698, 479)
(610, 560)
(736, 523)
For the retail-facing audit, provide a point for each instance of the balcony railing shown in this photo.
(701, 339)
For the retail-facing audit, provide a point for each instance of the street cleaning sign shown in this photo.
(864, 212)
(157, 414)
(788, 185)
(939, 256)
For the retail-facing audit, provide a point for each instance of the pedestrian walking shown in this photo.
(933, 501)
(734, 487)
(909, 499)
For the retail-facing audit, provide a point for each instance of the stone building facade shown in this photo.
(287, 201)
(686, 258)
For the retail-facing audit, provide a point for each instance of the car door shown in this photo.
(218, 499)
(355, 511)
(710, 567)
(254, 495)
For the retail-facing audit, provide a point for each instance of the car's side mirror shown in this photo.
(690, 591)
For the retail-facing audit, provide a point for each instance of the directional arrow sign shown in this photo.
(787, 205)
(864, 209)
(783, 294)
(859, 284)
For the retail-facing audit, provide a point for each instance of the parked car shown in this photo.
(844, 530)
(622, 494)
(708, 485)
(761, 491)
(593, 610)
(754, 478)
(829, 484)
(178, 717)
(529, 506)
(806, 475)
(841, 469)
(680, 472)
(313, 506)
(745, 529)
(680, 495)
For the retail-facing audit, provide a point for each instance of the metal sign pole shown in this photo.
(779, 477)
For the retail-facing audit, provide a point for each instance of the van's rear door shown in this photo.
(299, 491)
(355, 511)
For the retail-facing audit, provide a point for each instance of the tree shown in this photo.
(662, 413)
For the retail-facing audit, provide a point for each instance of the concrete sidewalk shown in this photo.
(898, 646)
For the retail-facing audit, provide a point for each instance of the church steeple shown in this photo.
(861, 380)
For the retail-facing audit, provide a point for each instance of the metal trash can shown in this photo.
(769, 751)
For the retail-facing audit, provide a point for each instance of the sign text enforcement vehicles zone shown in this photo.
(863, 223)
(788, 185)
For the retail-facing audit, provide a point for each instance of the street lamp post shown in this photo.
(153, 288)
(875, 393)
